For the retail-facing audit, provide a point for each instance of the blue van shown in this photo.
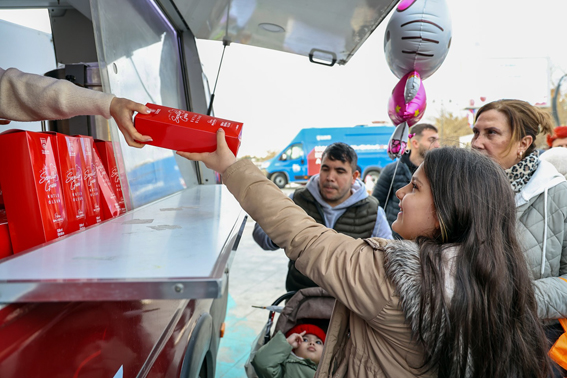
(301, 159)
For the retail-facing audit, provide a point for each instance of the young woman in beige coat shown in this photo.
(452, 300)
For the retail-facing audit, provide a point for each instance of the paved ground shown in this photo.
(257, 277)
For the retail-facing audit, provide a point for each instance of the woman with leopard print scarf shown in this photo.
(506, 130)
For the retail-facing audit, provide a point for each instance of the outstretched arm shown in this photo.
(349, 269)
(29, 97)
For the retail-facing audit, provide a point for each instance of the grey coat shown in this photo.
(542, 215)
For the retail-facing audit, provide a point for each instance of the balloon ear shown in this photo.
(398, 141)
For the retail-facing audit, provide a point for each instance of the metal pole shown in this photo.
(554, 102)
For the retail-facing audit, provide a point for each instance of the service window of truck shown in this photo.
(143, 292)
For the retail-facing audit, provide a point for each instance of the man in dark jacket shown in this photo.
(336, 198)
(425, 138)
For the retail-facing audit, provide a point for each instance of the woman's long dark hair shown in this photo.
(492, 329)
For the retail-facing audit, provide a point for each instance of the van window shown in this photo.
(293, 152)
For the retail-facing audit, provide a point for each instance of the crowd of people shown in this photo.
(473, 281)
(456, 267)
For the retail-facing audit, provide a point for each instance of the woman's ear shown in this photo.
(525, 143)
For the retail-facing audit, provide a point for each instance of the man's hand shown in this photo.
(295, 339)
(122, 110)
(219, 160)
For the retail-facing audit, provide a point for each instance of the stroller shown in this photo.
(310, 305)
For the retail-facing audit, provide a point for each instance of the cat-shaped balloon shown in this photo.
(418, 37)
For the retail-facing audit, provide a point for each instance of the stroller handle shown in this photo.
(271, 315)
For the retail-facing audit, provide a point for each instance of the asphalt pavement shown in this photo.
(257, 277)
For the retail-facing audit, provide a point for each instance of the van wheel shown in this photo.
(279, 179)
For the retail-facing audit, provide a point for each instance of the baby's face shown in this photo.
(311, 347)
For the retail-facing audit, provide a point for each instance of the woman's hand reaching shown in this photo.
(219, 160)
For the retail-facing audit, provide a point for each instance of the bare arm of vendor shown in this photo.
(30, 97)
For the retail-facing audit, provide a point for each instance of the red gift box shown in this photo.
(31, 186)
(108, 200)
(70, 166)
(181, 130)
(5, 244)
(90, 183)
(106, 154)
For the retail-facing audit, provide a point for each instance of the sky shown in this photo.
(499, 48)
(276, 94)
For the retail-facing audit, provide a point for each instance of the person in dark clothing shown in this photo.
(337, 199)
(425, 138)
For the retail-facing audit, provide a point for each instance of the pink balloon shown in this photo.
(408, 100)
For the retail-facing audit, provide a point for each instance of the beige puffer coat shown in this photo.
(369, 335)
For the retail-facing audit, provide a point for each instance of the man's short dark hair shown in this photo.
(418, 129)
(343, 152)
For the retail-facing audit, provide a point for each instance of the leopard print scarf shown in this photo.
(520, 173)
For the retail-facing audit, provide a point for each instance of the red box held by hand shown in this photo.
(31, 186)
(181, 130)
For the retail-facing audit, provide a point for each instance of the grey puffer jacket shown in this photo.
(542, 225)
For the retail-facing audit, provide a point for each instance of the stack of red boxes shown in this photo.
(54, 184)
(50, 188)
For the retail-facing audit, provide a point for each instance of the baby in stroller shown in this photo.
(296, 356)
(296, 346)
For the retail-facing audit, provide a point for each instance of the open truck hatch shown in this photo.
(326, 31)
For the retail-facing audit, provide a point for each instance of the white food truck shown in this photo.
(145, 294)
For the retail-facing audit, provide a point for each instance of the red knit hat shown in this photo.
(559, 132)
(309, 329)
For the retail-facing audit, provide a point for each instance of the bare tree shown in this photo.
(451, 127)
